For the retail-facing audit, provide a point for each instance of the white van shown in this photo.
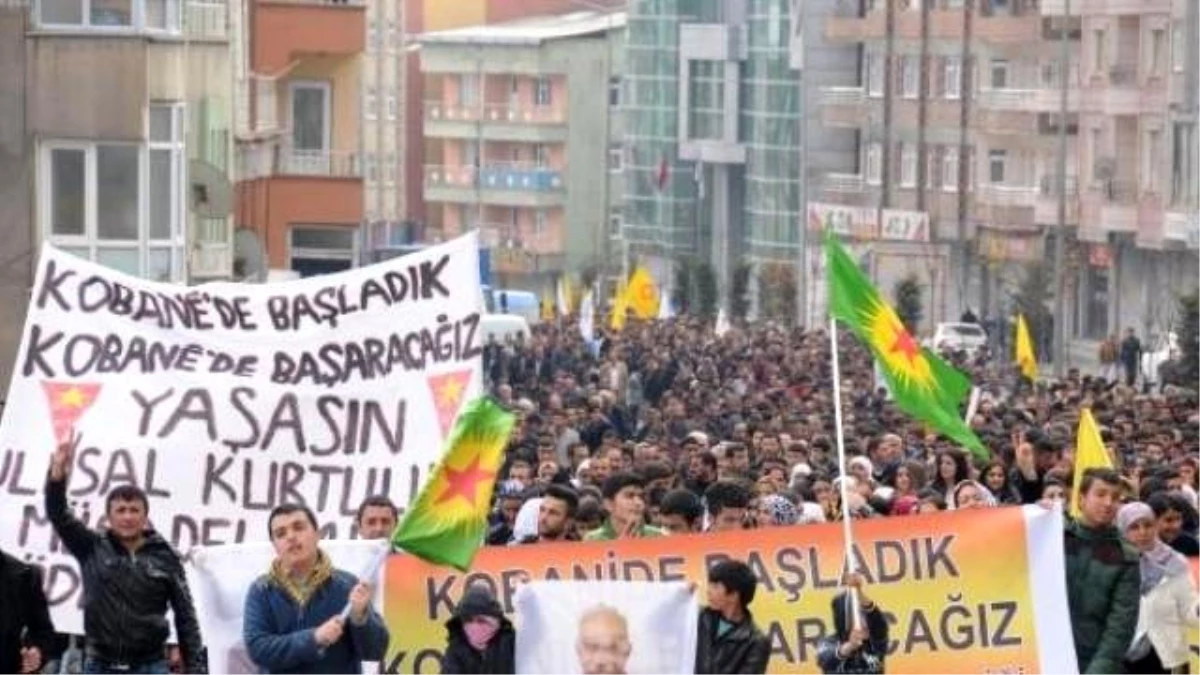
(503, 327)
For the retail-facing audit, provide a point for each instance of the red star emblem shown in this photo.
(464, 483)
(905, 344)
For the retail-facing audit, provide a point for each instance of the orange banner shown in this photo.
(958, 589)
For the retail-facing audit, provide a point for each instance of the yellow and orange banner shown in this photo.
(971, 591)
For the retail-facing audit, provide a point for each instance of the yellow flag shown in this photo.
(1025, 356)
(547, 308)
(643, 294)
(1090, 453)
(620, 308)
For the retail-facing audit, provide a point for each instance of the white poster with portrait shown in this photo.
(606, 627)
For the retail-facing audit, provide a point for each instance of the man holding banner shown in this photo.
(294, 620)
(130, 576)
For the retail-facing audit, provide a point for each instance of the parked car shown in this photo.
(953, 336)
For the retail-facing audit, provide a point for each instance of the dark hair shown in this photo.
(1162, 502)
(933, 497)
(619, 481)
(726, 494)
(376, 501)
(1098, 474)
(656, 470)
(287, 509)
(708, 459)
(683, 503)
(565, 495)
(126, 493)
(961, 468)
(917, 474)
(735, 576)
(589, 509)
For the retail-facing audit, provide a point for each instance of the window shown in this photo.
(1152, 154)
(514, 218)
(539, 223)
(953, 76)
(1099, 62)
(315, 250)
(874, 162)
(369, 102)
(1158, 50)
(999, 74)
(111, 15)
(616, 158)
(950, 169)
(541, 91)
(470, 153)
(1178, 48)
(119, 204)
(614, 90)
(874, 65)
(541, 155)
(908, 165)
(933, 169)
(371, 162)
(706, 99)
(468, 90)
(514, 153)
(310, 101)
(997, 159)
(391, 107)
(774, 26)
(910, 70)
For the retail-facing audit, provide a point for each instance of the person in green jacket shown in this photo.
(625, 501)
(1103, 576)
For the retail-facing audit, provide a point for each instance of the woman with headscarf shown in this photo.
(775, 510)
(1168, 607)
(481, 639)
(970, 494)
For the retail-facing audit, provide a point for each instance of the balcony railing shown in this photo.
(512, 114)
(1048, 186)
(843, 182)
(207, 20)
(1123, 75)
(496, 176)
(843, 95)
(1119, 191)
(1007, 99)
(324, 3)
(333, 164)
(1001, 194)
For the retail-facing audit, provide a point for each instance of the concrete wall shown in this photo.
(16, 191)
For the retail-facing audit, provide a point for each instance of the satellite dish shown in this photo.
(249, 263)
(211, 194)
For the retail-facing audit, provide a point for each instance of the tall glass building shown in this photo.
(712, 109)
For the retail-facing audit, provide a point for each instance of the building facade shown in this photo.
(516, 128)
(299, 72)
(115, 141)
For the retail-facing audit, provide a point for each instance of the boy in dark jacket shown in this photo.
(728, 641)
(851, 649)
(480, 638)
(293, 621)
(1103, 576)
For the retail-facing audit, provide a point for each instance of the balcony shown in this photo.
(1046, 207)
(499, 183)
(1001, 194)
(506, 260)
(1044, 99)
(944, 24)
(1107, 7)
(500, 122)
(1118, 92)
(845, 183)
(1108, 206)
(1182, 227)
(206, 21)
(843, 106)
(288, 30)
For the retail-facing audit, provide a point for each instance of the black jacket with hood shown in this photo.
(460, 657)
(743, 649)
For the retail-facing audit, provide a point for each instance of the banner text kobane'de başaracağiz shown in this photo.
(972, 592)
(223, 400)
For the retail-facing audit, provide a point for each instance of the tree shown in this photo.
(777, 291)
(705, 297)
(739, 296)
(682, 293)
(907, 295)
(1188, 333)
(1033, 301)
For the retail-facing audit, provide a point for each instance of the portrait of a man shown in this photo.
(603, 645)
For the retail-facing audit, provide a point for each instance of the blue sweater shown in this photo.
(280, 635)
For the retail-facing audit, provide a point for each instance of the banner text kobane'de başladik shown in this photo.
(224, 400)
(973, 591)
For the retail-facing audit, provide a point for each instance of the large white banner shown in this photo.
(221, 576)
(606, 627)
(223, 401)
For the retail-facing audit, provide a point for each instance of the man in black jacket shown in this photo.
(854, 649)
(26, 634)
(130, 577)
(727, 639)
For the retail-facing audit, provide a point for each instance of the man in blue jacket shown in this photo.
(293, 621)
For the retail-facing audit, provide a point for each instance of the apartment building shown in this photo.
(957, 107)
(115, 141)
(516, 125)
(298, 67)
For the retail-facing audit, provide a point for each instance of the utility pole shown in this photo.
(923, 110)
(805, 175)
(964, 148)
(1060, 241)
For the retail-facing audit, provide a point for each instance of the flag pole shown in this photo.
(847, 535)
